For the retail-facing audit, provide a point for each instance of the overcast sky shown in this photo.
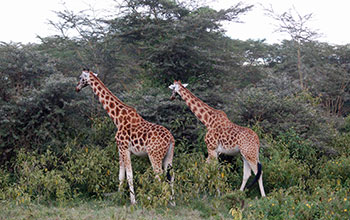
(23, 20)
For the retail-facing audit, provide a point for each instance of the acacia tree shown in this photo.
(296, 26)
(167, 39)
(176, 39)
(329, 75)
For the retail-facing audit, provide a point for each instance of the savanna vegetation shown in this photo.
(57, 149)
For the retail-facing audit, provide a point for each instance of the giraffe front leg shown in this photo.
(212, 154)
(212, 145)
(129, 176)
(156, 165)
(121, 172)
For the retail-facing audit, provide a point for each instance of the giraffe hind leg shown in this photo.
(257, 169)
(121, 174)
(257, 176)
(129, 175)
(246, 173)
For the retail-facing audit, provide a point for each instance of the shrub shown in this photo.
(194, 177)
(294, 203)
(277, 111)
(35, 178)
(40, 119)
(336, 172)
(299, 148)
(87, 171)
(152, 193)
(90, 170)
(280, 169)
(22, 69)
(341, 143)
(345, 128)
(5, 182)
(102, 133)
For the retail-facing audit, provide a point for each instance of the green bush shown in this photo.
(36, 177)
(87, 171)
(5, 182)
(299, 148)
(22, 68)
(91, 170)
(335, 172)
(281, 169)
(150, 192)
(294, 203)
(42, 118)
(341, 143)
(102, 132)
(345, 128)
(194, 177)
(278, 106)
(280, 172)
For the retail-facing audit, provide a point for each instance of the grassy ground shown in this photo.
(104, 209)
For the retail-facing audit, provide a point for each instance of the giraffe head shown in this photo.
(84, 79)
(176, 88)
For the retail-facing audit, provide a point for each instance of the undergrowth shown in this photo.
(299, 185)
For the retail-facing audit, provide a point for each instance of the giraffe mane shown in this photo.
(111, 93)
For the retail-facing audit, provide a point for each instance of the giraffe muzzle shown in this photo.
(173, 95)
(77, 89)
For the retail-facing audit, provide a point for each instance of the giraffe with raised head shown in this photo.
(134, 134)
(223, 136)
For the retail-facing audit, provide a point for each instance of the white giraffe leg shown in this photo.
(255, 170)
(121, 172)
(247, 168)
(246, 173)
(261, 186)
(129, 176)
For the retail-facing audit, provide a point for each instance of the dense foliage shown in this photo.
(57, 145)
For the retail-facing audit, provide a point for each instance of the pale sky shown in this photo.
(23, 20)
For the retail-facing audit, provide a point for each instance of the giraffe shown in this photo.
(134, 134)
(223, 136)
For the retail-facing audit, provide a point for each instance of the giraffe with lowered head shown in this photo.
(223, 136)
(134, 135)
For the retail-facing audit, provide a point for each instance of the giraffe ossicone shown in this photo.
(223, 136)
(134, 134)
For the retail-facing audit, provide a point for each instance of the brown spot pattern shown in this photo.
(134, 134)
(222, 130)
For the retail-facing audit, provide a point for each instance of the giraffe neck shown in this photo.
(120, 113)
(202, 111)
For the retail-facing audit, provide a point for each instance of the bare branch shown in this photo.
(294, 24)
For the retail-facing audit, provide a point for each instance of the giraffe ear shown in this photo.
(95, 74)
(185, 85)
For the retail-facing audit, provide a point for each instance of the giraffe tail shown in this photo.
(168, 160)
(257, 176)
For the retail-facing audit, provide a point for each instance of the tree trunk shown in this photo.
(299, 68)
